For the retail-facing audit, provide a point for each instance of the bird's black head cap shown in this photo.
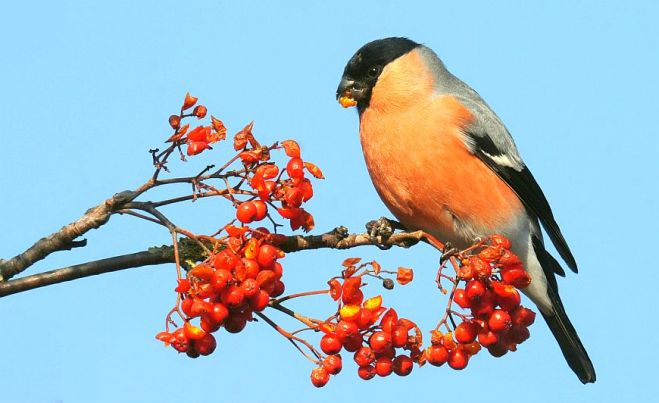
(363, 69)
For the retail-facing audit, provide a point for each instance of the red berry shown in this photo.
(458, 359)
(480, 267)
(364, 356)
(233, 296)
(267, 255)
(367, 372)
(199, 307)
(225, 260)
(220, 280)
(499, 321)
(403, 365)
(460, 298)
(485, 306)
(235, 323)
(399, 336)
(278, 289)
(209, 326)
(523, 316)
(389, 320)
(251, 267)
(383, 366)
(259, 301)
(175, 121)
(437, 355)
(250, 287)
(206, 345)
(352, 343)
(344, 329)
(497, 350)
(245, 212)
(186, 306)
(319, 377)
(502, 241)
(200, 111)
(466, 332)
(475, 289)
(380, 341)
(293, 197)
(515, 276)
(487, 339)
(295, 168)
(261, 210)
(330, 344)
(506, 296)
(333, 364)
(218, 313)
(518, 334)
(192, 353)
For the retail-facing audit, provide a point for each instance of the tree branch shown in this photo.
(338, 238)
(64, 238)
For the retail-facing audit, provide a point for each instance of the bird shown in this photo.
(442, 161)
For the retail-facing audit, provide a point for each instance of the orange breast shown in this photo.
(427, 177)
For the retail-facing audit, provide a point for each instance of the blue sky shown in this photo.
(87, 91)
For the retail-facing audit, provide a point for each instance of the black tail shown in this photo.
(574, 352)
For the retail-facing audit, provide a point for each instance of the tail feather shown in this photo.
(574, 352)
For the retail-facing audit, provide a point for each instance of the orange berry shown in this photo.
(466, 332)
(522, 317)
(246, 212)
(330, 344)
(499, 321)
(500, 240)
(364, 356)
(267, 255)
(261, 210)
(460, 298)
(206, 345)
(200, 111)
(366, 372)
(319, 377)
(295, 168)
(384, 366)
(475, 289)
(333, 364)
(458, 359)
(403, 365)
(380, 341)
(437, 355)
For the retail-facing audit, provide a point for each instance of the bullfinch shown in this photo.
(443, 162)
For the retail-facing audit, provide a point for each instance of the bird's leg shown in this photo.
(381, 229)
(448, 252)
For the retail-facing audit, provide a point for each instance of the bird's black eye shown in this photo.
(374, 71)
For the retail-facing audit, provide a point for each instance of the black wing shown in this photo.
(524, 185)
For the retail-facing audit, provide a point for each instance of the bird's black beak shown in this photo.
(350, 92)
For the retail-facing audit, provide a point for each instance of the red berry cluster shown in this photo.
(242, 272)
(374, 334)
(269, 185)
(226, 289)
(497, 322)
(201, 137)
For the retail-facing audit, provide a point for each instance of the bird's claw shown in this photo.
(448, 252)
(380, 230)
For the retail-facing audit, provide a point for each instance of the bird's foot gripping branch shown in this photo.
(234, 276)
